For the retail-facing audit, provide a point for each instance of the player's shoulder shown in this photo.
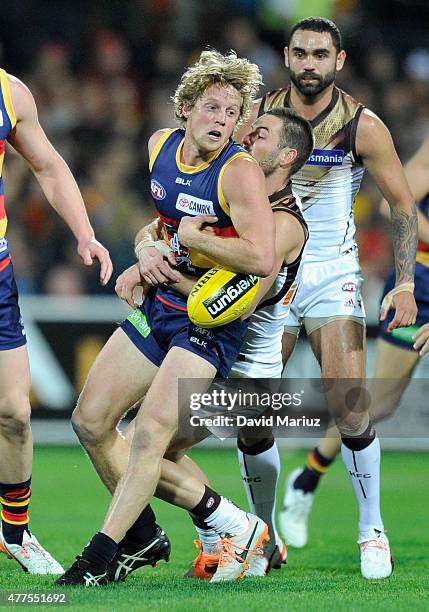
(293, 216)
(240, 165)
(158, 137)
(370, 125)
(21, 96)
(276, 98)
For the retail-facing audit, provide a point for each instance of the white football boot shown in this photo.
(236, 552)
(266, 559)
(375, 558)
(293, 516)
(31, 555)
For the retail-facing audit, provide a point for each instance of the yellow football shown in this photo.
(221, 296)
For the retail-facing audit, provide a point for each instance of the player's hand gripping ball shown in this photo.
(221, 296)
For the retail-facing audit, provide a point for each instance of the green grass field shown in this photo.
(69, 504)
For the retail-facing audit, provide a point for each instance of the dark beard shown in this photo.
(312, 90)
(269, 164)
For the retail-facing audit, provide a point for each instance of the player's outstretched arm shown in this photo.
(54, 177)
(253, 251)
(374, 144)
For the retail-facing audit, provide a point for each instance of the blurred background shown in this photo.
(103, 72)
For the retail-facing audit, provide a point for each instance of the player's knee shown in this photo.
(90, 428)
(154, 434)
(15, 412)
(352, 425)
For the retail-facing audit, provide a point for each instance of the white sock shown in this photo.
(228, 518)
(260, 475)
(363, 467)
(209, 538)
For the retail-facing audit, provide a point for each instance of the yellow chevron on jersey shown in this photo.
(7, 124)
(203, 166)
(7, 99)
(157, 148)
(222, 200)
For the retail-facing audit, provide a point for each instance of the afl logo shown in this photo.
(349, 287)
(158, 191)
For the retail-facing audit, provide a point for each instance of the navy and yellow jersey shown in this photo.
(179, 190)
(423, 247)
(7, 124)
(330, 179)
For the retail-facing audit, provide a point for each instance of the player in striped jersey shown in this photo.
(20, 127)
(348, 139)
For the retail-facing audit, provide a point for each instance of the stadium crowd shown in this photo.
(102, 77)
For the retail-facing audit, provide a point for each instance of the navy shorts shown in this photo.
(421, 294)
(12, 332)
(155, 327)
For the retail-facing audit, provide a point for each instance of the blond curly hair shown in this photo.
(213, 68)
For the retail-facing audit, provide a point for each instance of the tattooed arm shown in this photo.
(404, 240)
(375, 146)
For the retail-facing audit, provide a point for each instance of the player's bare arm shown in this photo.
(252, 252)
(132, 278)
(374, 144)
(54, 176)
(417, 175)
(154, 254)
(290, 240)
(417, 171)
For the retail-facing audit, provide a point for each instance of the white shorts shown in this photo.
(328, 289)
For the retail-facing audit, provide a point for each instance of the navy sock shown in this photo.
(143, 529)
(100, 550)
(15, 499)
(317, 464)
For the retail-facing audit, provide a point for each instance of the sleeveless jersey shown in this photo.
(7, 124)
(423, 247)
(179, 190)
(261, 352)
(329, 181)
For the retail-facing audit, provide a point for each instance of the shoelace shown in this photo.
(228, 554)
(380, 544)
(30, 545)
